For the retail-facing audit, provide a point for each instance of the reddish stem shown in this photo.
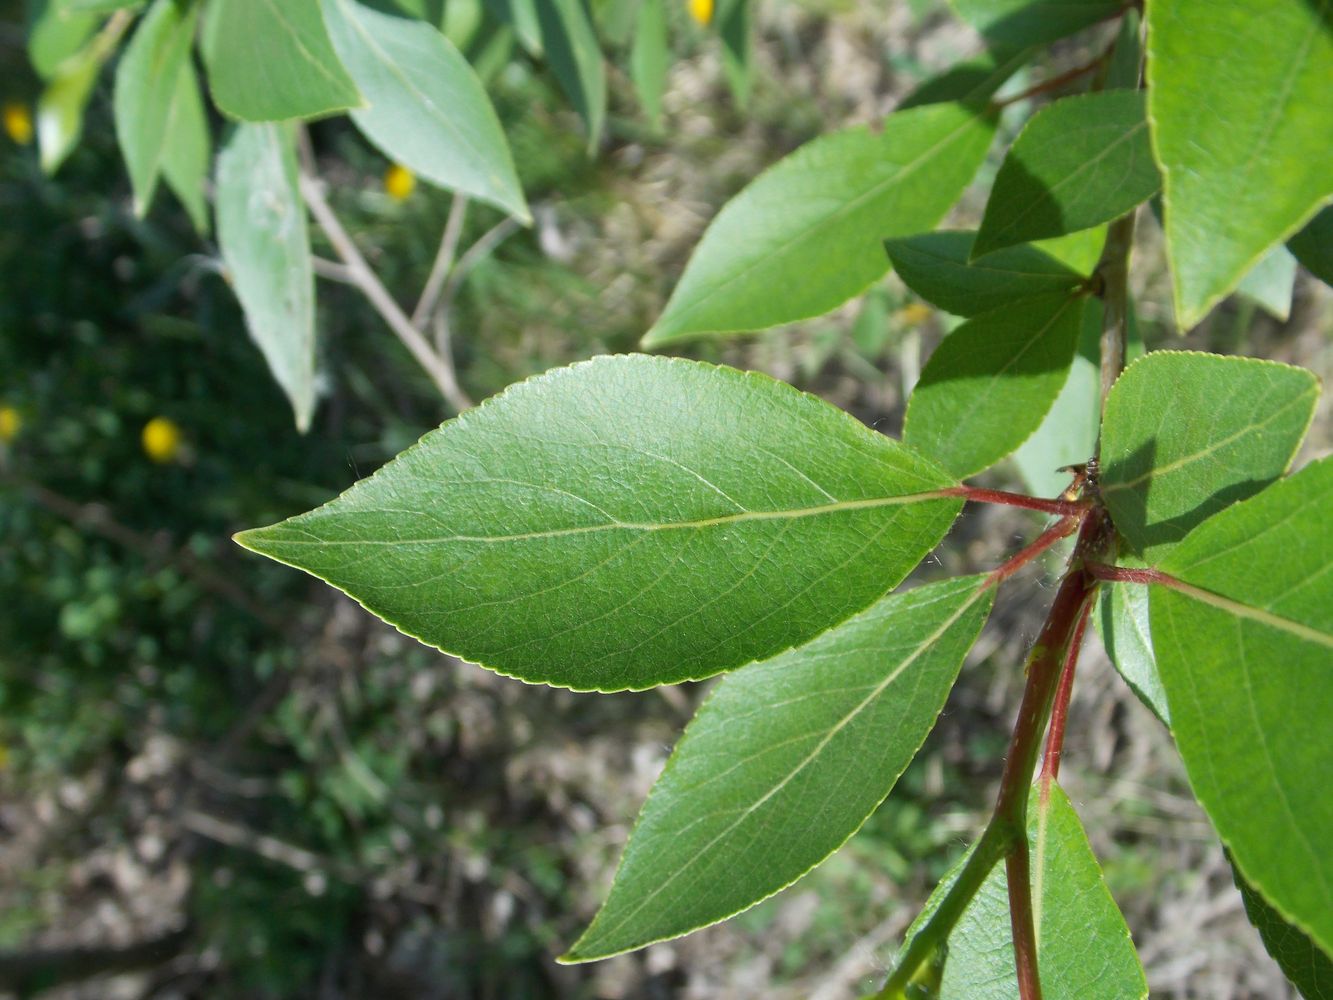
(1063, 528)
(1055, 82)
(979, 494)
(1018, 872)
(1124, 574)
(1055, 737)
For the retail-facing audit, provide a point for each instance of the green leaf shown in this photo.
(1033, 22)
(576, 60)
(1240, 131)
(427, 109)
(938, 267)
(265, 242)
(1186, 434)
(1244, 647)
(521, 15)
(649, 59)
(1079, 162)
(1126, 67)
(1067, 434)
(54, 35)
(972, 81)
(805, 236)
(1083, 946)
(1123, 622)
(627, 522)
(148, 101)
(189, 149)
(1313, 246)
(1270, 283)
(271, 60)
(989, 384)
(60, 108)
(784, 762)
(735, 31)
(1308, 968)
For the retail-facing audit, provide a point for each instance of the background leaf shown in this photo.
(1033, 22)
(1270, 283)
(427, 109)
(149, 96)
(1239, 132)
(271, 60)
(55, 34)
(1313, 246)
(188, 152)
(627, 522)
(265, 242)
(1308, 968)
(650, 58)
(575, 58)
(1079, 162)
(784, 762)
(989, 384)
(805, 235)
(1187, 434)
(1244, 655)
(60, 108)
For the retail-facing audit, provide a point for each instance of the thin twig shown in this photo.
(474, 255)
(1056, 82)
(444, 262)
(367, 281)
(459, 399)
(1018, 873)
(333, 271)
(978, 494)
(1055, 736)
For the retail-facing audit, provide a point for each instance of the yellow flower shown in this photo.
(161, 440)
(700, 10)
(18, 122)
(914, 314)
(399, 182)
(11, 422)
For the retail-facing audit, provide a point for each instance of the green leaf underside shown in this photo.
(1079, 162)
(1240, 132)
(149, 98)
(627, 522)
(189, 150)
(1123, 621)
(1245, 653)
(989, 384)
(938, 267)
(1084, 949)
(271, 60)
(1271, 282)
(1308, 968)
(785, 761)
(1033, 22)
(1313, 246)
(265, 242)
(805, 236)
(426, 108)
(573, 53)
(1186, 434)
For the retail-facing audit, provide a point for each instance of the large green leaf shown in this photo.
(576, 59)
(783, 763)
(989, 384)
(1245, 651)
(938, 267)
(1241, 132)
(1187, 434)
(1034, 22)
(265, 242)
(271, 60)
(1079, 162)
(188, 152)
(1313, 246)
(805, 236)
(1309, 969)
(1083, 946)
(149, 99)
(427, 109)
(627, 522)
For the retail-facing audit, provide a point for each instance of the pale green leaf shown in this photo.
(1241, 132)
(649, 59)
(575, 58)
(805, 236)
(265, 242)
(271, 60)
(783, 763)
(1309, 969)
(1123, 622)
(626, 522)
(55, 34)
(938, 267)
(1079, 162)
(1270, 283)
(1244, 647)
(61, 105)
(427, 109)
(989, 384)
(149, 98)
(1186, 434)
(189, 149)
(1083, 946)
(1034, 22)
(1313, 246)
